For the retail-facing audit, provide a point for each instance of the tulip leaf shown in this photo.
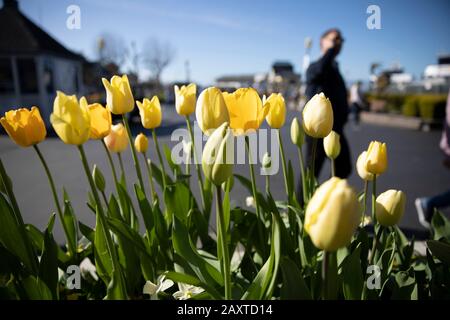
(264, 282)
(36, 289)
(248, 185)
(173, 166)
(114, 208)
(10, 235)
(352, 275)
(146, 209)
(294, 286)
(440, 250)
(191, 280)
(440, 226)
(48, 265)
(37, 239)
(183, 245)
(71, 224)
(178, 199)
(86, 231)
(103, 261)
(127, 207)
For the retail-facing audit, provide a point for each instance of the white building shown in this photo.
(33, 65)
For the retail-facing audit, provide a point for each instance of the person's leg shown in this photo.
(343, 162)
(439, 201)
(425, 206)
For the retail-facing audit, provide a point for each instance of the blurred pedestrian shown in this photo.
(356, 103)
(426, 205)
(324, 76)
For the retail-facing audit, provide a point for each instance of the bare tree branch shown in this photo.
(157, 55)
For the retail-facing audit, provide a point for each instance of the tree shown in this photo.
(157, 55)
(111, 48)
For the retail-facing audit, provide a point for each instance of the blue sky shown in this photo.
(246, 36)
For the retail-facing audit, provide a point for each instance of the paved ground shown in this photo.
(414, 166)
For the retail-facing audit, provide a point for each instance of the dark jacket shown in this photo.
(323, 76)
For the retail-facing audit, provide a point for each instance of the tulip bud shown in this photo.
(211, 110)
(141, 143)
(117, 139)
(390, 206)
(217, 155)
(332, 145)
(361, 167)
(266, 161)
(99, 179)
(297, 133)
(276, 115)
(185, 99)
(25, 127)
(332, 215)
(318, 116)
(376, 159)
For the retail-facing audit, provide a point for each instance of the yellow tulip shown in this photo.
(332, 215)
(119, 98)
(332, 145)
(376, 160)
(361, 167)
(100, 121)
(185, 99)
(318, 116)
(297, 133)
(150, 112)
(211, 110)
(117, 139)
(390, 206)
(141, 143)
(25, 127)
(70, 119)
(276, 115)
(217, 157)
(245, 109)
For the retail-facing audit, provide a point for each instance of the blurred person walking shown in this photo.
(324, 76)
(426, 205)
(356, 103)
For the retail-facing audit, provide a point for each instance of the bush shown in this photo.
(411, 106)
(432, 106)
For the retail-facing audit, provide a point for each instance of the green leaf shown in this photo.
(440, 250)
(168, 154)
(36, 289)
(352, 275)
(146, 209)
(264, 282)
(440, 226)
(116, 289)
(183, 245)
(86, 231)
(48, 266)
(294, 286)
(103, 261)
(10, 235)
(191, 280)
(114, 208)
(290, 178)
(124, 231)
(71, 224)
(37, 239)
(178, 200)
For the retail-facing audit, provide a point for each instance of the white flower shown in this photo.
(153, 289)
(187, 291)
(250, 202)
(87, 268)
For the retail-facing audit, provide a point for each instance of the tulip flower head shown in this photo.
(276, 115)
(361, 167)
(211, 111)
(141, 143)
(332, 145)
(390, 206)
(117, 140)
(376, 159)
(119, 98)
(297, 133)
(25, 127)
(217, 155)
(246, 110)
(100, 121)
(185, 99)
(318, 116)
(150, 112)
(332, 215)
(71, 119)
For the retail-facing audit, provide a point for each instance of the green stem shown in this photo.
(267, 184)
(313, 167)
(329, 276)
(374, 217)
(133, 152)
(158, 152)
(302, 170)
(150, 176)
(109, 242)
(283, 163)
(122, 168)
(111, 163)
(197, 163)
(376, 240)
(255, 195)
(222, 238)
(333, 168)
(72, 250)
(325, 264)
(366, 186)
